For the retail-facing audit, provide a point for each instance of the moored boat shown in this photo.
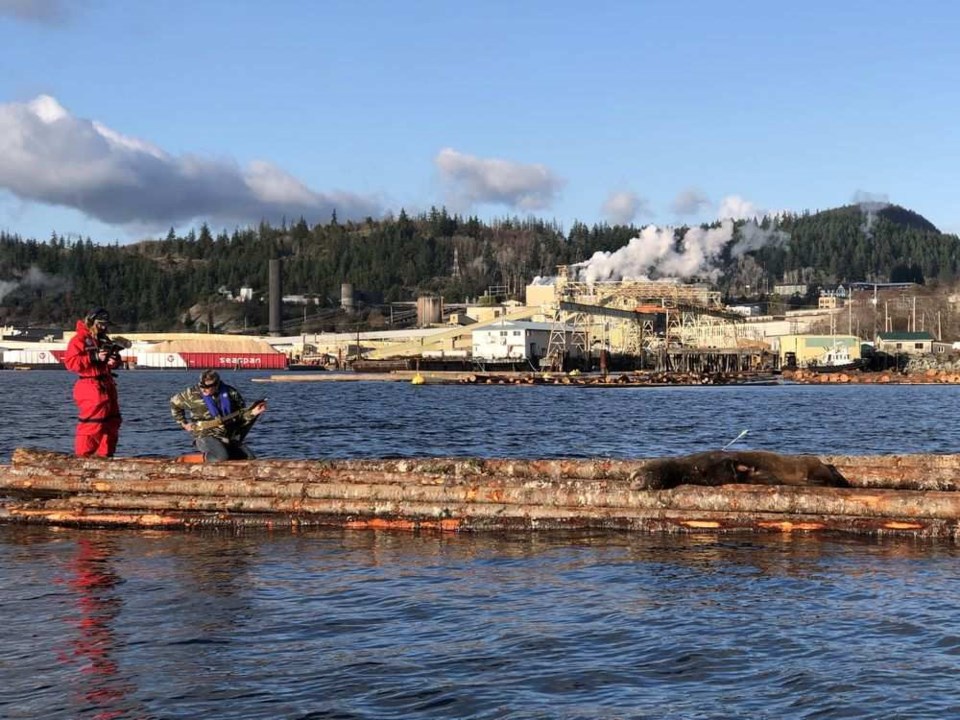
(836, 359)
(708, 492)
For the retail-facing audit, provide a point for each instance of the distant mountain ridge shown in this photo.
(862, 242)
(907, 218)
(178, 282)
(894, 214)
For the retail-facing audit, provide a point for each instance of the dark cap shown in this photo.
(97, 315)
(209, 379)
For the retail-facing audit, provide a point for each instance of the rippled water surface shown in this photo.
(360, 624)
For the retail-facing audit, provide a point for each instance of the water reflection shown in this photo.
(379, 624)
(214, 570)
(99, 686)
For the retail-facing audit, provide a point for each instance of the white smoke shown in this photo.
(870, 205)
(7, 287)
(734, 207)
(751, 237)
(656, 253)
(35, 279)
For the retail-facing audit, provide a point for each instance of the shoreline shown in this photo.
(627, 379)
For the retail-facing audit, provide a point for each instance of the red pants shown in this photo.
(98, 426)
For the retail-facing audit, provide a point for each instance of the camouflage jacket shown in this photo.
(188, 406)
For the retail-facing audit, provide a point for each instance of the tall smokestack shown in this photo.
(346, 297)
(276, 297)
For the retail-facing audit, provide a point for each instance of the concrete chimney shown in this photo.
(276, 298)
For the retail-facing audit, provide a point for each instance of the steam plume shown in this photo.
(658, 253)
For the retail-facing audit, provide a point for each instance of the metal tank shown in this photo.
(429, 310)
(346, 297)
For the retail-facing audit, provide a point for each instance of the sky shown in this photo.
(121, 120)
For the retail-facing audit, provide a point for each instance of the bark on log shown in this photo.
(711, 468)
(494, 494)
(372, 500)
(664, 521)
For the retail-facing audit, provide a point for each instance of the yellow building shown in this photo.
(541, 293)
(803, 350)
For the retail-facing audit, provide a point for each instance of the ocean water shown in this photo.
(364, 624)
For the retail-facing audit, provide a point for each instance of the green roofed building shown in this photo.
(914, 343)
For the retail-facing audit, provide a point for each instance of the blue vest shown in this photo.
(224, 398)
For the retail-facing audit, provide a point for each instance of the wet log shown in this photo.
(707, 491)
(45, 470)
(546, 502)
(53, 512)
(907, 472)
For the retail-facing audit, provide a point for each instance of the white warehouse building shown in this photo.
(516, 341)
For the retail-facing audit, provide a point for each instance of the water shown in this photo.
(350, 624)
(377, 419)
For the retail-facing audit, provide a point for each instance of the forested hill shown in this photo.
(850, 244)
(171, 283)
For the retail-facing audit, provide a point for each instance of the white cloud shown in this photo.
(469, 181)
(47, 12)
(689, 202)
(623, 207)
(49, 156)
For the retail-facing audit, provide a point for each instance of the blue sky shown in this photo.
(121, 119)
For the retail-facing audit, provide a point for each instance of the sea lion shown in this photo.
(754, 467)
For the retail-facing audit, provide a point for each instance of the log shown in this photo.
(663, 521)
(715, 491)
(712, 468)
(748, 500)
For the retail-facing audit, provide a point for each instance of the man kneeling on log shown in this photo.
(215, 414)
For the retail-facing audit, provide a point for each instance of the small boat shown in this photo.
(307, 367)
(718, 491)
(835, 359)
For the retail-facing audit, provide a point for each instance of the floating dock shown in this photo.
(914, 495)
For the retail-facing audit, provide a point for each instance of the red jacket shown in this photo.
(81, 355)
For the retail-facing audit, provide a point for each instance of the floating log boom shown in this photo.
(717, 491)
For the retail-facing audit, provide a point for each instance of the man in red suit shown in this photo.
(93, 357)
